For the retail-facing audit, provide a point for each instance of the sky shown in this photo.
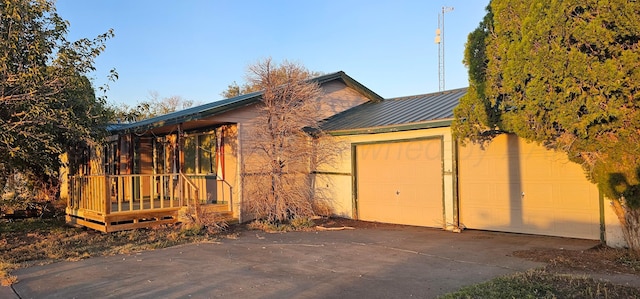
(195, 49)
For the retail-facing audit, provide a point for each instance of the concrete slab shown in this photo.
(394, 261)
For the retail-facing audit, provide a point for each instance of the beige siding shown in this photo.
(522, 187)
(337, 97)
(613, 229)
(227, 190)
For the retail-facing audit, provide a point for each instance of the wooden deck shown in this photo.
(138, 218)
(123, 202)
(121, 220)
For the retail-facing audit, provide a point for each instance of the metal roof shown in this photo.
(417, 109)
(218, 107)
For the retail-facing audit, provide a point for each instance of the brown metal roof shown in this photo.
(397, 111)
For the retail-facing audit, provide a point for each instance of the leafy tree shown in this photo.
(280, 151)
(152, 107)
(47, 104)
(564, 74)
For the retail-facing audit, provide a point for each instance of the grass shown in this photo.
(42, 241)
(296, 224)
(542, 284)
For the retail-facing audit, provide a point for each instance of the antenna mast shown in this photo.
(440, 41)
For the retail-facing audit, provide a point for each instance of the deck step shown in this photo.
(216, 207)
(226, 216)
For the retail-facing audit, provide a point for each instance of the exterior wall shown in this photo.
(238, 160)
(337, 97)
(64, 177)
(337, 180)
(228, 189)
(613, 229)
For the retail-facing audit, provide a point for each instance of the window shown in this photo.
(200, 153)
(207, 153)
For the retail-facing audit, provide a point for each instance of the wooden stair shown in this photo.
(218, 212)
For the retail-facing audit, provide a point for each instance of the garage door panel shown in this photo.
(506, 194)
(558, 200)
(400, 182)
(538, 197)
(489, 217)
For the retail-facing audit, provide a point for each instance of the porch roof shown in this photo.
(222, 106)
(396, 114)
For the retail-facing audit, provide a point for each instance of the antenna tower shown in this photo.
(440, 41)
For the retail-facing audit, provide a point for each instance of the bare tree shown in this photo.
(281, 152)
(234, 90)
(152, 107)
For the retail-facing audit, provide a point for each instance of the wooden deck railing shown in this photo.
(109, 194)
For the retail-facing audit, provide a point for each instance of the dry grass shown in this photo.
(42, 241)
(599, 259)
(568, 274)
(6, 279)
(543, 284)
(296, 224)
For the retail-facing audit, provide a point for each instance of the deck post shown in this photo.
(107, 195)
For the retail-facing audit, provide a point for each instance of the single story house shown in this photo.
(401, 166)
(149, 171)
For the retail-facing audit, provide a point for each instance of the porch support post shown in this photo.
(180, 158)
(107, 195)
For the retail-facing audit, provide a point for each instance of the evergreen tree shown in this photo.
(563, 74)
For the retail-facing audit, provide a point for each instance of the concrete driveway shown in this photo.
(383, 262)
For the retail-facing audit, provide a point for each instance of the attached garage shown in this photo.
(405, 167)
(522, 187)
(400, 182)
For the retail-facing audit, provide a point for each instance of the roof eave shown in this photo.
(346, 79)
(190, 117)
(151, 124)
(439, 123)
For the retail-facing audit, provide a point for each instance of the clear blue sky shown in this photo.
(194, 49)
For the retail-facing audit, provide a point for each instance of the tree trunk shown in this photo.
(630, 220)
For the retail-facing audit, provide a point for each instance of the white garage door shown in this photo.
(514, 186)
(400, 182)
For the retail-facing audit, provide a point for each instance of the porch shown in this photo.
(111, 203)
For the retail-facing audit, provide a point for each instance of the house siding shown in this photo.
(336, 98)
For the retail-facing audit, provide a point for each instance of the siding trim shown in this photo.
(393, 128)
(603, 237)
(331, 173)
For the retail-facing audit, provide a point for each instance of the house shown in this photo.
(402, 165)
(149, 171)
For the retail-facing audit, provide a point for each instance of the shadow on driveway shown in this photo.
(395, 261)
